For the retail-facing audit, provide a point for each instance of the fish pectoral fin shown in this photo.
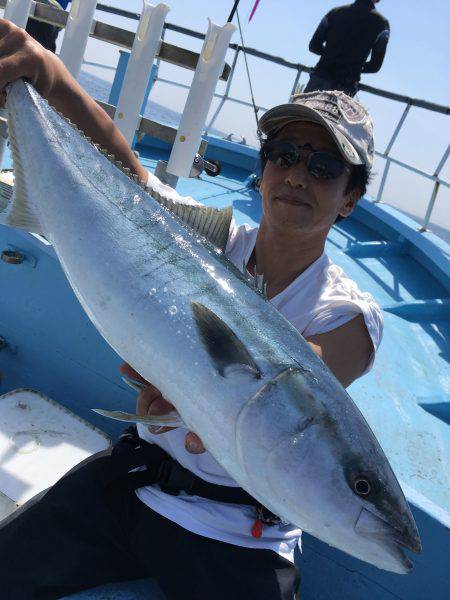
(221, 343)
(171, 419)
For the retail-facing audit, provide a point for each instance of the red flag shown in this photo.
(253, 10)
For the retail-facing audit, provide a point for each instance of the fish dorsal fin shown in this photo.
(211, 223)
(221, 343)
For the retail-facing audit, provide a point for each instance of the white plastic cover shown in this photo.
(40, 441)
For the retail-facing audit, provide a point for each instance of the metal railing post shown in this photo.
(437, 185)
(442, 161)
(76, 35)
(227, 89)
(296, 80)
(397, 129)
(430, 207)
(383, 180)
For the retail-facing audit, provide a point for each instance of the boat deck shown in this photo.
(53, 347)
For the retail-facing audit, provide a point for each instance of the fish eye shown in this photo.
(362, 486)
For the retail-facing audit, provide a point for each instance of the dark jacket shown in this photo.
(344, 39)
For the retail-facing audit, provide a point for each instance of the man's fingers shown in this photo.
(10, 32)
(128, 371)
(193, 443)
(157, 429)
(5, 27)
(146, 398)
(23, 63)
(22, 56)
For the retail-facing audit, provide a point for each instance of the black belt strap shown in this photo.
(131, 452)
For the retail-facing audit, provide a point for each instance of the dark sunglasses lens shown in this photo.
(325, 166)
(282, 154)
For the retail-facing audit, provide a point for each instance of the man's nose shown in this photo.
(297, 176)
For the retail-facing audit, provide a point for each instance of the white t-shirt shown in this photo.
(319, 300)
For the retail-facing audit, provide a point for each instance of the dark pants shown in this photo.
(83, 533)
(318, 83)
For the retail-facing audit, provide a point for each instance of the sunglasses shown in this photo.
(320, 165)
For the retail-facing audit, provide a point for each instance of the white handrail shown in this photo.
(76, 34)
(143, 53)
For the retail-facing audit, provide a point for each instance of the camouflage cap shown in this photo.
(346, 119)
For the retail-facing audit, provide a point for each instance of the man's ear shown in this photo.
(350, 202)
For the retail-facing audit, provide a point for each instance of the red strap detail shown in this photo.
(257, 528)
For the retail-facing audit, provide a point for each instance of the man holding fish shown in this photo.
(160, 505)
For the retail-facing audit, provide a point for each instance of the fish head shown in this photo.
(329, 475)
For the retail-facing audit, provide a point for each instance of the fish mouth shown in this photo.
(391, 538)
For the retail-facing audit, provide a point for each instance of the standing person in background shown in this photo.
(343, 40)
(44, 33)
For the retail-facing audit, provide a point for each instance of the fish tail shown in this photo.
(16, 210)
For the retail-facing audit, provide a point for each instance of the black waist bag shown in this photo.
(131, 452)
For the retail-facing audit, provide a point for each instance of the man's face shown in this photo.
(293, 198)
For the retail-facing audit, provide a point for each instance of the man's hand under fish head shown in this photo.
(151, 402)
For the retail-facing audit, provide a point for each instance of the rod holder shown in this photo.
(143, 53)
(209, 67)
(78, 28)
(18, 11)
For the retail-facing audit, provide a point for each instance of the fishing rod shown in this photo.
(230, 18)
(233, 10)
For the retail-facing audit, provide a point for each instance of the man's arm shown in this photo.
(319, 38)
(22, 56)
(378, 52)
(345, 350)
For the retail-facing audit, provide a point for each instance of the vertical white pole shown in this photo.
(145, 46)
(78, 28)
(209, 67)
(17, 12)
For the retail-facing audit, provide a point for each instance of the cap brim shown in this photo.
(278, 117)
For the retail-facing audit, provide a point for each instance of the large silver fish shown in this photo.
(172, 306)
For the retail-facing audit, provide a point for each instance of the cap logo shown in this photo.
(353, 113)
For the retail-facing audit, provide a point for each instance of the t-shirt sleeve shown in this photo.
(156, 185)
(342, 303)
